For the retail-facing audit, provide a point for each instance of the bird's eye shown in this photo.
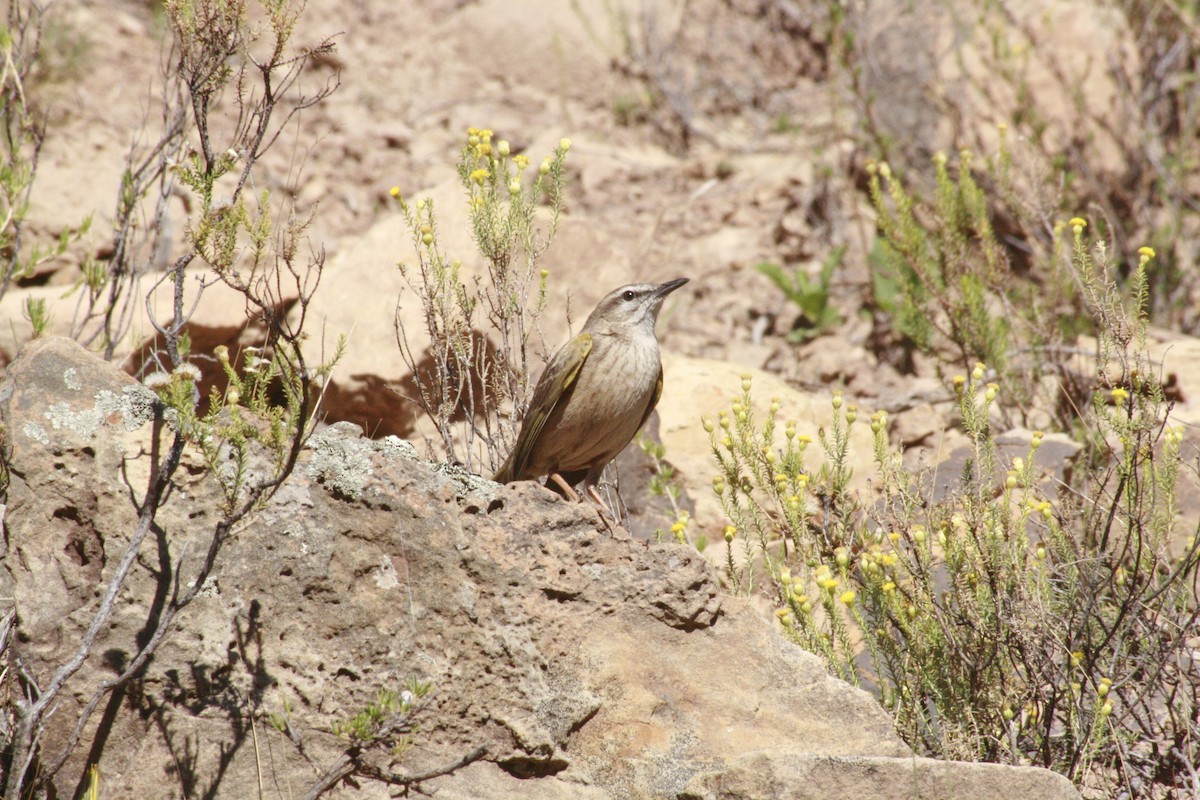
(628, 296)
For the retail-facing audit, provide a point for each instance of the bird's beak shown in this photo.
(665, 289)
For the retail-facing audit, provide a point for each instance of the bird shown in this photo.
(594, 395)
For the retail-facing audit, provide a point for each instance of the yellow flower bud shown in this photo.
(502, 147)
(564, 144)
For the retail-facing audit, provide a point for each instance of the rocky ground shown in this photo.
(707, 136)
(567, 660)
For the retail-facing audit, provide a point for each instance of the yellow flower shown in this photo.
(848, 597)
(1146, 253)
(1119, 395)
(394, 192)
(564, 144)
(479, 176)
(1078, 222)
(522, 161)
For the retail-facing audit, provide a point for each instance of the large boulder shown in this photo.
(571, 660)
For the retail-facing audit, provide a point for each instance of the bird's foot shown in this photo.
(561, 483)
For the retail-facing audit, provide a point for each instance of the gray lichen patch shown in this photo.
(36, 432)
(341, 463)
(71, 379)
(395, 447)
(131, 409)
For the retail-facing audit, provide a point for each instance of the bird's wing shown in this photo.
(556, 381)
(654, 399)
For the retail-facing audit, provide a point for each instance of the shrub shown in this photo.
(473, 384)
(1011, 619)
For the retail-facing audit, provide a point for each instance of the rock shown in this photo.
(1048, 50)
(817, 777)
(587, 665)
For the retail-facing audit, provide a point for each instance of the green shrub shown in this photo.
(1011, 619)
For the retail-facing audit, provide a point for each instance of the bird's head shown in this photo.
(630, 307)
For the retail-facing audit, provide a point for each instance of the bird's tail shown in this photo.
(504, 474)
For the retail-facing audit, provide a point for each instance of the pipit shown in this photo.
(594, 394)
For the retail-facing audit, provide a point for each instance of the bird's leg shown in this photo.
(596, 498)
(561, 483)
(606, 514)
